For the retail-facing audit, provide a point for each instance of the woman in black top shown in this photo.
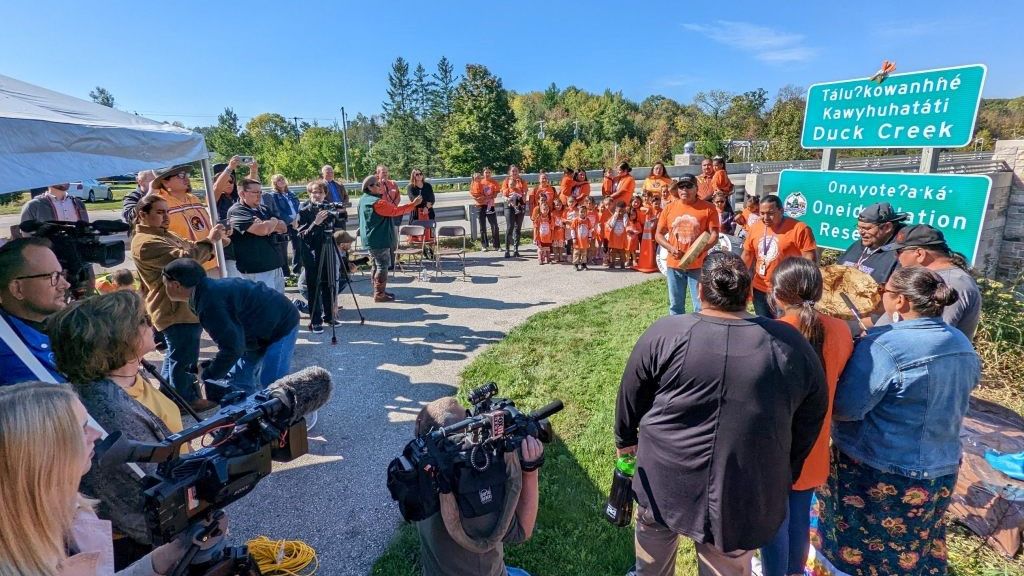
(418, 186)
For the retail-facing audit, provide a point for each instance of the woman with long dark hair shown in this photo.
(796, 288)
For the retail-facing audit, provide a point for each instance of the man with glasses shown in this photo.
(188, 216)
(922, 245)
(256, 237)
(679, 226)
(877, 225)
(32, 287)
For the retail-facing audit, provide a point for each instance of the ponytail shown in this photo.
(796, 283)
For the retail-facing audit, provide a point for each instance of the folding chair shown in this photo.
(456, 252)
(429, 238)
(411, 244)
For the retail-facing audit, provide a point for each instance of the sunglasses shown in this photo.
(182, 175)
(687, 185)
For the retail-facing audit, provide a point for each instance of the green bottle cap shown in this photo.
(626, 464)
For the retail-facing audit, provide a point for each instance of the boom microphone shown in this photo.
(302, 392)
(110, 226)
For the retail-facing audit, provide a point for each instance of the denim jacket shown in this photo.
(902, 398)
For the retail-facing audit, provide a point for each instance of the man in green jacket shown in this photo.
(377, 232)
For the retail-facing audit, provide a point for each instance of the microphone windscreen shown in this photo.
(303, 391)
(31, 226)
(110, 226)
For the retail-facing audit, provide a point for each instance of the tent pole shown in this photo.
(211, 205)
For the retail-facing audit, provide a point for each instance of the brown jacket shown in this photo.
(152, 249)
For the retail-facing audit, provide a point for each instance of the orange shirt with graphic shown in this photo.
(769, 247)
(544, 227)
(836, 351)
(541, 192)
(683, 223)
(189, 220)
(615, 232)
(484, 191)
(747, 217)
(624, 188)
(634, 230)
(582, 232)
(657, 186)
(558, 219)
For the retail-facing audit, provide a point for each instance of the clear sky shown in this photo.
(186, 60)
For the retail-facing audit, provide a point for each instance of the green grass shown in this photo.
(542, 360)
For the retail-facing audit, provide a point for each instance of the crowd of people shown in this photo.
(742, 424)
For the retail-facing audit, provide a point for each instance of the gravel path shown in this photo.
(407, 354)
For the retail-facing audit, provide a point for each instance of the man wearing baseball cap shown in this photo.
(877, 225)
(188, 216)
(922, 245)
(679, 226)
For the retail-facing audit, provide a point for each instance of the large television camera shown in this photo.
(335, 209)
(240, 442)
(78, 244)
(430, 464)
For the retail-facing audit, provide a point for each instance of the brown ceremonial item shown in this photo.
(859, 287)
(695, 250)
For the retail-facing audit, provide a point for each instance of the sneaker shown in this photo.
(507, 254)
(585, 267)
(332, 322)
(516, 254)
(316, 328)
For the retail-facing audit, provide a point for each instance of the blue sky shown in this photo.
(187, 60)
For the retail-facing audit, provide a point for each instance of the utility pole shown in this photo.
(541, 133)
(344, 139)
(575, 129)
(295, 119)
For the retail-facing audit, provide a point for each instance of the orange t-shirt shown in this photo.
(484, 191)
(836, 350)
(624, 189)
(565, 187)
(720, 181)
(544, 226)
(547, 193)
(615, 232)
(517, 186)
(705, 187)
(657, 186)
(682, 223)
(558, 219)
(769, 247)
(634, 228)
(747, 217)
(607, 186)
(582, 231)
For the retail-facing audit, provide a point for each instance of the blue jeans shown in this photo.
(761, 305)
(182, 358)
(679, 281)
(263, 368)
(787, 553)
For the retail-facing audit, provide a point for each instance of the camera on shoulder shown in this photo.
(448, 458)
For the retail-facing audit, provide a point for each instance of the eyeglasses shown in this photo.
(887, 291)
(53, 276)
(182, 175)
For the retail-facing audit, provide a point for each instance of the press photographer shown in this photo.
(257, 235)
(317, 220)
(32, 287)
(469, 482)
(44, 435)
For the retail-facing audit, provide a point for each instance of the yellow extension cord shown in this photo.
(287, 557)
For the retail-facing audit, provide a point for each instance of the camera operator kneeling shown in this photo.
(466, 537)
(46, 526)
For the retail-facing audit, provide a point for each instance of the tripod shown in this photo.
(207, 554)
(327, 275)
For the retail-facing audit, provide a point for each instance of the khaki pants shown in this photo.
(579, 255)
(656, 548)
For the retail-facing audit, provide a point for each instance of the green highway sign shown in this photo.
(829, 203)
(927, 109)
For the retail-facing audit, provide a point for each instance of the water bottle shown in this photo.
(424, 275)
(619, 510)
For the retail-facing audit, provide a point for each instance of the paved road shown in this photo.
(408, 353)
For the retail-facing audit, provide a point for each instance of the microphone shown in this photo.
(31, 226)
(302, 392)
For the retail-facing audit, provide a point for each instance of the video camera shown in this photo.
(335, 209)
(77, 244)
(244, 438)
(430, 464)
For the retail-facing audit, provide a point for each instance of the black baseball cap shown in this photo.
(917, 235)
(185, 271)
(880, 214)
(688, 179)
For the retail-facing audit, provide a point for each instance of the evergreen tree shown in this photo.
(102, 97)
(422, 92)
(481, 129)
(399, 101)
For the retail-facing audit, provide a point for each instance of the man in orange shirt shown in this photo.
(770, 241)
(484, 191)
(705, 185)
(679, 225)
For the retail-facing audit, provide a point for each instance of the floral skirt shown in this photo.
(871, 522)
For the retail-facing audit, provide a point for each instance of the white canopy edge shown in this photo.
(47, 137)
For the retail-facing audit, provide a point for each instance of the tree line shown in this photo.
(450, 124)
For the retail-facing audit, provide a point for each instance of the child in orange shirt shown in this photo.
(558, 231)
(634, 228)
(543, 229)
(615, 234)
(568, 215)
(597, 218)
(750, 214)
(117, 280)
(582, 234)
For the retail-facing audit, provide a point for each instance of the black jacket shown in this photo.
(240, 316)
(428, 198)
(723, 412)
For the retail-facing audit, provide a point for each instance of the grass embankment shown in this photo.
(118, 192)
(577, 353)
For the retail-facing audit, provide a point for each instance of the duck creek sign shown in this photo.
(926, 109)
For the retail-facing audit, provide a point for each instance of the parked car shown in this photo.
(90, 191)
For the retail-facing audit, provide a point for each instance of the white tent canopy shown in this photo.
(47, 137)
